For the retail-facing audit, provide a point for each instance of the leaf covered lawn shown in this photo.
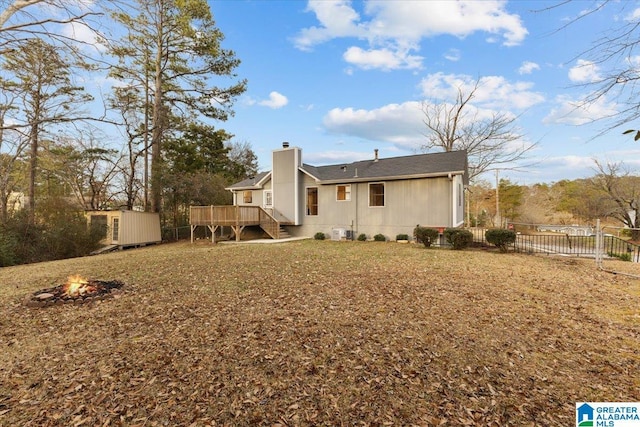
(319, 333)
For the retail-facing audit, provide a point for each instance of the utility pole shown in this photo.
(498, 219)
(468, 196)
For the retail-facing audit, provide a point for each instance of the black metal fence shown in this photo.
(557, 243)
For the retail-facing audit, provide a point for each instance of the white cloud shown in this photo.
(337, 19)
(336, 157)
(395, 28)
(633, 16)
(528, 67)
(384, 59)
(413, 20)
(584, 72)
(492, 91)
(453, 55)
(399, 124)
(402, 124)
(576, 112)
(276, 100)
(83, 34)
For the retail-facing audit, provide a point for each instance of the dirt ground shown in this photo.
(319, 333)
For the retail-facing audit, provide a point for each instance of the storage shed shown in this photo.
(127, 228)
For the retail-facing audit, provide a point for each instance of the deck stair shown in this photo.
(283, 234)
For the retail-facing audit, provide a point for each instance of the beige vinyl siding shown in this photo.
(425, 201)
(134, 228)
(285, 179)
(256, 198)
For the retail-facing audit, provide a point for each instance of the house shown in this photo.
(127, 228)
(388, 196)
(571, 230)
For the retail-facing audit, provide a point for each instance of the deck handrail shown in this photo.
(235, 216)
(269, 224)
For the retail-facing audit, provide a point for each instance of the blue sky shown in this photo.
(341, 78)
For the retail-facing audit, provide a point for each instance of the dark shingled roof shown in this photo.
(432, 164)
(249, 182)
(419, 165)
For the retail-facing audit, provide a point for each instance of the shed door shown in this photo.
(115, 229)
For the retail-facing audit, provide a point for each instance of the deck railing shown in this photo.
(269, 224)
(234, 216)
(224, 215)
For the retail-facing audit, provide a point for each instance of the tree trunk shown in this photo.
(33, 165)
(159, 123)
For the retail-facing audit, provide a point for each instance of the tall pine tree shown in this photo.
(172, 50)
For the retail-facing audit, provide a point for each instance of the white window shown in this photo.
(343, 192)
(268, 199)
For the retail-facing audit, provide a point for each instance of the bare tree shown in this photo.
(85, 167)
(615, 56)
(623, 190)
(134, 112)
(491, 140)
(39, 74)
(242, 162)
(13, 143)
(21, 20)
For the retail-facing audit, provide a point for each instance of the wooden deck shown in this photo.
(236, 217)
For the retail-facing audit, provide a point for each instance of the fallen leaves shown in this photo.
(319, 333)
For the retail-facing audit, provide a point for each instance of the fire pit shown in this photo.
(77, 290)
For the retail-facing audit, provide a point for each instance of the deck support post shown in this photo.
(237, 229)
(213, 229)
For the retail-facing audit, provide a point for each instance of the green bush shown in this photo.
(59, 232)
(459, 238)
(319, 235)
(379, 238)
(500, 237)
(425, 235)
(402, 237)
(621, 257)
(362, 237)
(8, 244)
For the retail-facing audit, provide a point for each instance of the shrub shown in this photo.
(621, 257)
(319, 235)
(379, 238)
(402, 237)
(362, 237)
(459, 238)
(425, 235)
(8, 244)
(500, 237)
(59, 232)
